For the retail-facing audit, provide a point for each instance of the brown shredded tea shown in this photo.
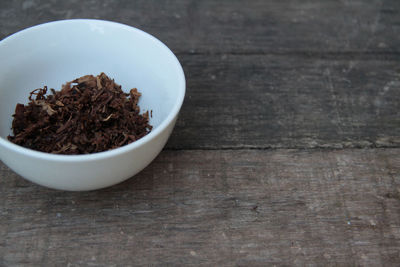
(90, 114)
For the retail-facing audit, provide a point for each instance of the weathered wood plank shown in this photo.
(232, 26)
(265, 73)
(282, 101)
(220, 208)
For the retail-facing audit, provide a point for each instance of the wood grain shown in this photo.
(233, 26)
(262, 77)
(266, 75)
(219, 208)
(282, 101)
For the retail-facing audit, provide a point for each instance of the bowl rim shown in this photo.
(116, 151)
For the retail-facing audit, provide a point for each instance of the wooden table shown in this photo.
(286, 152)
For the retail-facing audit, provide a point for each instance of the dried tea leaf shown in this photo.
(89, 114)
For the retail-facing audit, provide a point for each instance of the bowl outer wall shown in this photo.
(86, 174)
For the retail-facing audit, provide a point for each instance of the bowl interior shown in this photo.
(54, 53)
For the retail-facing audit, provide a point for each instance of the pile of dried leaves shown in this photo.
(90, 114)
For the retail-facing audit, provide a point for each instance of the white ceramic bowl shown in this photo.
(56, 52)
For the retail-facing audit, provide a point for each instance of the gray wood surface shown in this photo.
(286, 152)
(233, 26)
(215, 208)
(282, 101)
(302, 73)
